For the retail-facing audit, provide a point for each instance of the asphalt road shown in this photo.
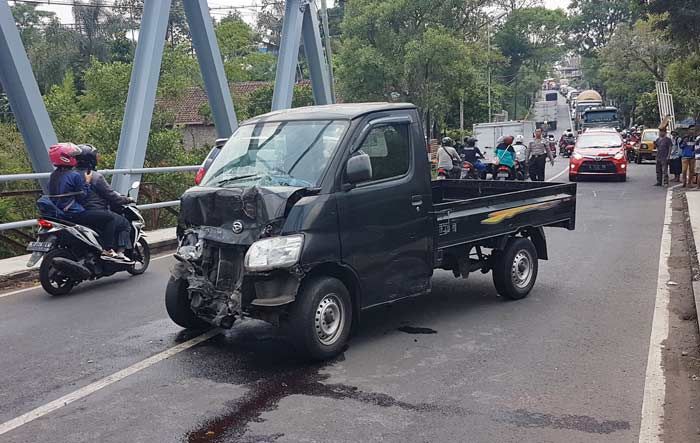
(565, 364)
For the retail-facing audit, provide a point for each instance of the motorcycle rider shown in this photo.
(471, 153)
(69, 189)
(505, 156)
(103, 197)
(521, 154)
(449, 159)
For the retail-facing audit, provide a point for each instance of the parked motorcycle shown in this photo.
(72, 253)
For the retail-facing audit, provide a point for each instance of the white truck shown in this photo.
(545, 111)
(488, 133)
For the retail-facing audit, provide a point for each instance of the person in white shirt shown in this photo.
(448, 158)
(521, 154)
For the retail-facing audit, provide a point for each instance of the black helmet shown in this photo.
(470, 141)
(87, 159)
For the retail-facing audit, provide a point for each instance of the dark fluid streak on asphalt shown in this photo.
(269, 367)
(416, 330)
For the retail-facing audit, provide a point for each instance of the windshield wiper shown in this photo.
(235, 178)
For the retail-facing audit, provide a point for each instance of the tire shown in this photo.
(177, 303)
(572, 178)
(320, 319)
(622, 178)
(145, 253)
(48, 275)
(515, 269)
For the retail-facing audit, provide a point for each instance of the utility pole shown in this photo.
(488, 63)
(329, 50)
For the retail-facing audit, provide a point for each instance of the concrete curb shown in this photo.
(163, 240)
(692, 200)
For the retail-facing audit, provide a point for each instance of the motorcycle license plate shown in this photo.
(39, 246)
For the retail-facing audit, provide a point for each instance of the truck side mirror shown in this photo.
(358, 168)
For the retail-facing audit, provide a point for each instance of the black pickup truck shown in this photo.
(311, 215)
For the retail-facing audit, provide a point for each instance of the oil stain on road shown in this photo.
(264, 363)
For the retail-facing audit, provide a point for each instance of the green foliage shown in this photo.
(593, 22)
(260, 101)
(410, 50)
(684, 78)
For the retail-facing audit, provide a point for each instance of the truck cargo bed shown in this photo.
(467, 211)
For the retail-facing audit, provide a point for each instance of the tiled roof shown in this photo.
(187, 105)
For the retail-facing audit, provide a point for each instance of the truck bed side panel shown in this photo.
(491, 209)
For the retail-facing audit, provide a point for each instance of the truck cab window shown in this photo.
(389, 151)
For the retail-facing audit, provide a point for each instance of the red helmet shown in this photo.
(63, 154)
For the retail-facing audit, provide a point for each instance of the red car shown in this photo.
(598, 152)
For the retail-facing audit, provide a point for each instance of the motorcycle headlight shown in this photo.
(274, 252)
(577, 156)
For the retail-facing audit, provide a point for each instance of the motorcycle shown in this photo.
(519, 174)
(442, 174)
(71, 253)
(475, 171)
(565, 149)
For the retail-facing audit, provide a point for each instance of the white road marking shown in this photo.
(19, 291)
(655, 380)
(103, 383)
(559, 174)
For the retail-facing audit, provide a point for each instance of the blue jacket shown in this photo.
(687, 150)
(68, 181)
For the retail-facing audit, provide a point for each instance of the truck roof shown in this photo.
(600, 108)
(343, 111)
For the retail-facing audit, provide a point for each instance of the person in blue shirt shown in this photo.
(687, 148)
(69, 190)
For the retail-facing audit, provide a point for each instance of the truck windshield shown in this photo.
(650, 136)
(599, 116)
(292, 153)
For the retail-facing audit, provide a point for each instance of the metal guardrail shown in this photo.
(40, 175)
(161, 170)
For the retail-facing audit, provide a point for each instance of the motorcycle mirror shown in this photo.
(135, 185)
(134, 188)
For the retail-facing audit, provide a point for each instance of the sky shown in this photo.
(247, 8)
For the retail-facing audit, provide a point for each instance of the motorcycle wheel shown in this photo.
(142, 255)
(52, 280)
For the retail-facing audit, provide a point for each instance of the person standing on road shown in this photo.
(663, 146)
(687, 151)
(676, 161)
(537, 153)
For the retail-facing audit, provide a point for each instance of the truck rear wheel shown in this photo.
(177, 303)
(515, 268)
(320, 318)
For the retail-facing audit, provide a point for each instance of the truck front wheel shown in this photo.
(177, 303)
(515, 268)
(320, 318)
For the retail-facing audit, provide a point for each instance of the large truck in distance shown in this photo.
(586, 99)
(600, 117)
(310, 216)
(545, 114)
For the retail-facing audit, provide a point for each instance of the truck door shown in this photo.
(385, 222)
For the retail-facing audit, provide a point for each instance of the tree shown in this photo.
(594, 22)
(680, 19)
(684, 80)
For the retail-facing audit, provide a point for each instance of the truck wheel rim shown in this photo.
(329, 319)
(521, 271)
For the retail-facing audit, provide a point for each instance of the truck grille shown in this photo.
(598, 167)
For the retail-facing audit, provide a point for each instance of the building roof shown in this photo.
(187, 105)
(340, 111)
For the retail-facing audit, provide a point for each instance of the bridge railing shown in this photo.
(40, 175)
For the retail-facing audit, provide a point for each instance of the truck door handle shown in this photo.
(417, 200)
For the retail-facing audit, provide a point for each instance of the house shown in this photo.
(190, 111)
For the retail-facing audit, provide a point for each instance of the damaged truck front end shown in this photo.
(235, 257)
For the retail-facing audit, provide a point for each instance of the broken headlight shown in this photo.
(274, 252)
